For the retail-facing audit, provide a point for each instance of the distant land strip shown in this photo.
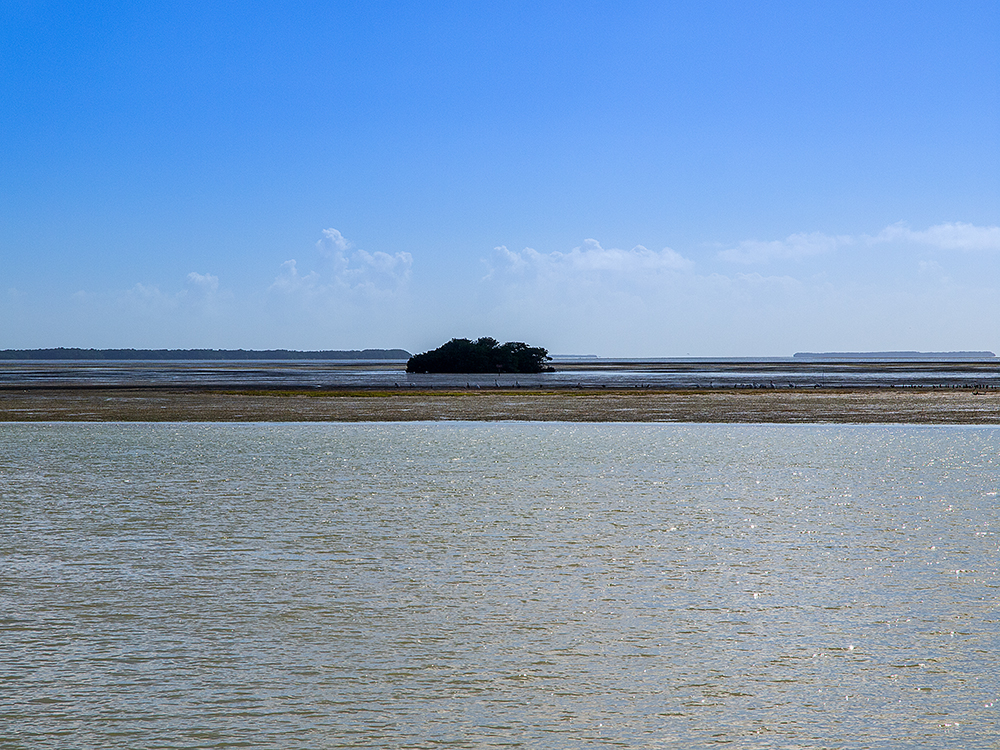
(198, 354)
(894, 355)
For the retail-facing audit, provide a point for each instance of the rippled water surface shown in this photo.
(498, 585)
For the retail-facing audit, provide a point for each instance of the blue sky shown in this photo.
(623, 179)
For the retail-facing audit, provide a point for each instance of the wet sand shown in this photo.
(881, 405)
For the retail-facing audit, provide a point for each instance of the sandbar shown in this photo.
(159, 404)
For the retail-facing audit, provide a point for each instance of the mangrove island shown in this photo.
(482, 355)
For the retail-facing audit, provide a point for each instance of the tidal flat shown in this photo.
(819, 405)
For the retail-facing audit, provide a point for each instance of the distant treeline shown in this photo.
(216, 354)
(894, 355)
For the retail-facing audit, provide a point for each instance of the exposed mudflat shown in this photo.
(886, 405)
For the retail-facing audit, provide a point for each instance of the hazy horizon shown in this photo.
(182, 354)
(648, 180)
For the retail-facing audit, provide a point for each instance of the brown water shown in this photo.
(498, 585)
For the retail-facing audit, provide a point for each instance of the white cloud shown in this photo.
(794, 247)
(346, 270)
(351, 297)
(640, 303)
(376, 270)
(333, 242)
(897, 288)
(588, 260)
(289, 280)
(205, 282)
(628, 302)
(949, 236)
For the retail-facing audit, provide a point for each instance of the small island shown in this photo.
(482, 355)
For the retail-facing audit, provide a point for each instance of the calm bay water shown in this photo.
(499, 585)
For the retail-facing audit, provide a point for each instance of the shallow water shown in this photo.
(676, 373)
(498, 585)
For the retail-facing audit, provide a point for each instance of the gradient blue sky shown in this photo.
(623, 179)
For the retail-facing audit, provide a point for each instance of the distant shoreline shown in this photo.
(894, 355)
(63, 353)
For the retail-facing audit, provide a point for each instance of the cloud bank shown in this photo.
(337, 296)
(589, 259)
(899, 288)
(952, 236)
(956, 236)
(794, 247)
(935, 288)
(345, 270)
(341, 297)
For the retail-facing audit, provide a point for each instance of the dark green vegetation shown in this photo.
(481, 355)
(198, 354)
